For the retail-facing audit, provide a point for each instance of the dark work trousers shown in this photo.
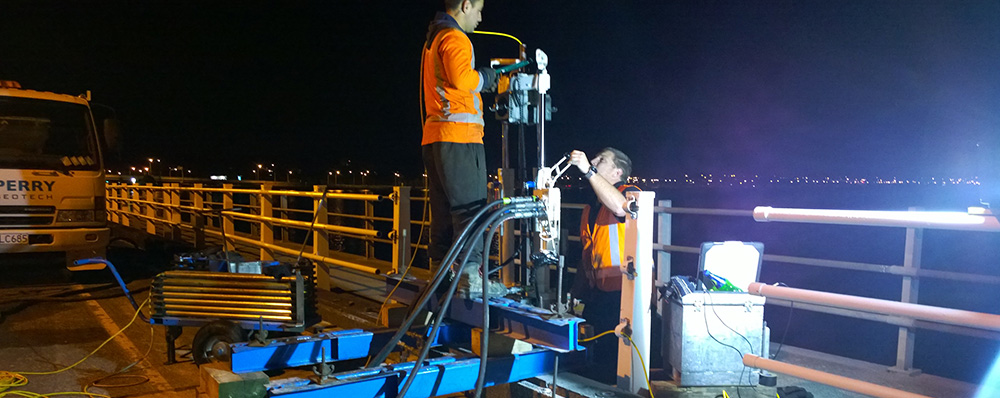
(456, 178)
(603, 311)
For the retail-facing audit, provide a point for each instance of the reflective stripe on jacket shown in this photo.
(603, 247)
(451, 88)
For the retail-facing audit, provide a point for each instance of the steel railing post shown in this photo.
(198, 219)
(255, 209)
(400, 228)
(282, 213)
(911, 286)
(664, 237)
(369, 223)
(228, 230)
(321, 238)
(266, 228)
(131, 194)
(175, 212)
(112, 203)
(109, 203)
(150, 198)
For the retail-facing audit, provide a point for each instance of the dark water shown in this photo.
(953, 356)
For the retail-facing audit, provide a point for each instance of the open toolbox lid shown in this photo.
(739, 262)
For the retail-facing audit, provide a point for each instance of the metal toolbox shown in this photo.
(702, 324)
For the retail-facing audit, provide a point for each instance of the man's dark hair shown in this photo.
(621, 161)
(450, 5)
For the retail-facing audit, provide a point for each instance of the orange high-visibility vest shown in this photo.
(451, 89)
(604, 247)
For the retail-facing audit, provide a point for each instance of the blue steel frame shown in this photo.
(439, 376)
(288, 352)
(512, 319)
(248, 325)
(301, 351)
(507, 317)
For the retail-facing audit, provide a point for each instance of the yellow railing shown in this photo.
(267, 223)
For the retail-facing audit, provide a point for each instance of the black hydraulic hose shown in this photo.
(444, 308)
(484, 342)
(449, 258)
(517, 210)
(452, 252)
(430, 288)
(484, 339)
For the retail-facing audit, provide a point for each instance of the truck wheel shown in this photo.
(211, 343)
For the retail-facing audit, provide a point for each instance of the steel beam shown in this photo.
(507, 317)
(301, 350)
(339, 345)
(440, 376)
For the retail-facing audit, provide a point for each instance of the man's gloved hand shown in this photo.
(489, 76)
(794, 392)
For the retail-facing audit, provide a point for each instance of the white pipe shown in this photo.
(954, 220)
(929, 313)
(841, 382)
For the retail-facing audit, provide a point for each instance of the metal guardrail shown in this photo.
(914, 222)
(183, 211)
(266, 222)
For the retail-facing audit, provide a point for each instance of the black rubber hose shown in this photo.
(484, 339)
(444, 308)
(518, 210)
(484, 342)
(428, 292)
(449, 258)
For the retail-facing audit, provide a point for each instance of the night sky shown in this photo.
(908, 88)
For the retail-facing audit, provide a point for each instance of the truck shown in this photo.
(52, 181)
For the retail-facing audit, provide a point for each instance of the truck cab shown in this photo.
(52, 202)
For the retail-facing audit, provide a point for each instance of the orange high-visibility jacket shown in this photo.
(451, 87)
(603, 247)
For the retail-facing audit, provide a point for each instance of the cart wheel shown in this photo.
(211, 343)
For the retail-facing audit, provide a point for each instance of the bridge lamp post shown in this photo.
(259, 166)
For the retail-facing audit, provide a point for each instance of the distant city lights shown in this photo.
(154, 166)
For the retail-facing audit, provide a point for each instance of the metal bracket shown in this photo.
(324, 369)
(631, 207)
(259, 336)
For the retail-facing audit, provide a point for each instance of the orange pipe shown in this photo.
(951, 220)
(841, 382)
(929, 313)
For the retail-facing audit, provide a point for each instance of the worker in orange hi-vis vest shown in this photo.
(452, 143)
(598, 281)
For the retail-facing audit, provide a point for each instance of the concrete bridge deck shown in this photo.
(44, 328)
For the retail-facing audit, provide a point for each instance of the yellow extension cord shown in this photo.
(634, 349)
(483, 32)
(17, 379)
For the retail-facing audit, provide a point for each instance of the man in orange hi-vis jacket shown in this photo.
(598, 281)
(452, 144)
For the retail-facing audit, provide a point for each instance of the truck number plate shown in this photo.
(13, 239)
